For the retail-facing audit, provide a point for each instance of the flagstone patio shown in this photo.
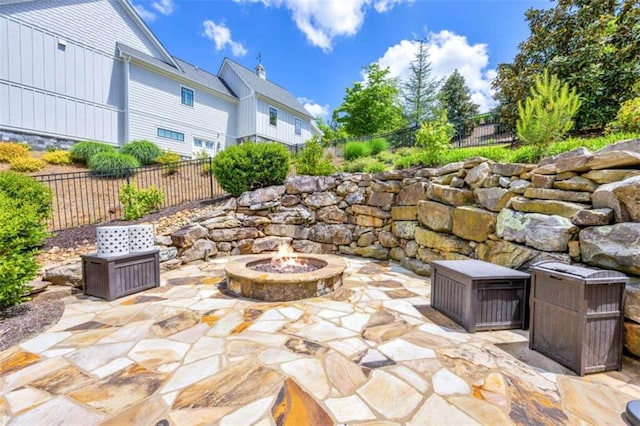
(374, 352)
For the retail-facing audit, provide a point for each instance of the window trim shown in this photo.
(297, 126)
(276, 121)
(179, 135)
(193, 96)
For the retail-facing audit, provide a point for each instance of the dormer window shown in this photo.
(186, 95)
(273, 116)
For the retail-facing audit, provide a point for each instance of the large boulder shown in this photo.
(221, 222)
(612, 247)
(234, 234)
(614, 160)
(510, 169)
(440, 242)
(69, 274)
(269, 243)
(608, 176)
(404, 229)
(473, 223)
(622, 197)
(330, 234)
(558, 194)
(494, 199)
(576, 183)
(308, 184)
(199, 250)
(625, 145)
(369, 221)
(370, 211)
(543, 232)
(260, 196)
(321, 199)
(477, 175)
(331, 214)
(411, 194)
(387, 186)
(387, 239)
(292, 216)
(384, 200)
(404, 213)
(452, 196)
(186, 236)
(297, 232)
(306, 246)
(515, 256)
(435, 216)
(551, 207)
(578, 152)
(375, 251)
(632, 303)
(593, 217)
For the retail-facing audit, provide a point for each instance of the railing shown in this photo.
(83, 198)
(481, 130)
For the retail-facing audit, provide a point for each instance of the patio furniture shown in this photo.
(577, 316)
(111, 277)
(480, 295)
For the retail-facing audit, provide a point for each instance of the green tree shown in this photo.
(455, 98)
(420, 91)
(593, 45)
(547, 114)
(373, 106)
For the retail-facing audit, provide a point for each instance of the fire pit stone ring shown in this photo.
(275, 287)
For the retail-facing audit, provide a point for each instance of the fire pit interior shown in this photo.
(284, 276)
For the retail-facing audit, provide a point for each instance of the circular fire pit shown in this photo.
(283, 286)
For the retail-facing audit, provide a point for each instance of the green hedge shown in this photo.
(251, 166)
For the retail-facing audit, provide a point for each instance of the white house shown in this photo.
(92, 70)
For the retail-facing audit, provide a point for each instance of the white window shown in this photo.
(298, 123)
(170, 134)
(273, 116)
(186, 96)
(207, 146)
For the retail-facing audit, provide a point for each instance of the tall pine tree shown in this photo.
(420, 90)
(455, 98)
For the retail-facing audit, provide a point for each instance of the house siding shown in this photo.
(69, 19)
(234, 81)
(74, 93)
(154, 102)
(284, 131)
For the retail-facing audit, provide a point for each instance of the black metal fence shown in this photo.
(481, 130)
(83, 198)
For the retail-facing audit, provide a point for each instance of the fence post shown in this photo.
(127, 174)
(211, 175)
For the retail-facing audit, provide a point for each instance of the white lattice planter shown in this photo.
(140, 238)
(112, 240)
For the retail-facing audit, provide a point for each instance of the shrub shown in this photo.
(26, 164)
(82, 151)
(58, 156)
(311, 162)
(139, 202)
(22, 230)
(11, 150)
(170, 161)
(375, 167)
(386, 157)
(413, 159)
(144, 151)
(628, 117)
(377, 145)
(207, 166)
(547, 114)
(360, 165)
(251, 166)
(435, 138)
(111, 164)
(353, 150)
(25, 190)
(496, 153)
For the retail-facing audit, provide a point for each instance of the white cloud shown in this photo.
(447, 51)
(165, 7)
(323, 21)
(316, 110)
(144, 13)
(221, 36)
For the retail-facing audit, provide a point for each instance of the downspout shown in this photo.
(127, 60)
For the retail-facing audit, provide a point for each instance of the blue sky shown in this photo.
(317, 48)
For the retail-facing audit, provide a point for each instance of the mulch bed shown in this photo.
(27, 320)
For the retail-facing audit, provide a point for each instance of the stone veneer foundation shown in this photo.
(275, 287)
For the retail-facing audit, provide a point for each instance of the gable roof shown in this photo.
(186, 71)
(267, 88)
(131, 11)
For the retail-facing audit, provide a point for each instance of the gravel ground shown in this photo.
(28, 319)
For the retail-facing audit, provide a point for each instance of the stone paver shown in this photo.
(372, 352)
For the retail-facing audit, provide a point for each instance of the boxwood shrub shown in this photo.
(251, 166)
(57, 156)
(25, 190)
(144, 151)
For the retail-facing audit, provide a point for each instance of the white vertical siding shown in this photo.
(247, 117)
(284, 131)
(47, 85)
(234, 81)
(155, 102)
(97, 23)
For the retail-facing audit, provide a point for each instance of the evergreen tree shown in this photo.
(420, 90)
(593, 45)
(371, 107)
(547, 114)
(455, 98)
